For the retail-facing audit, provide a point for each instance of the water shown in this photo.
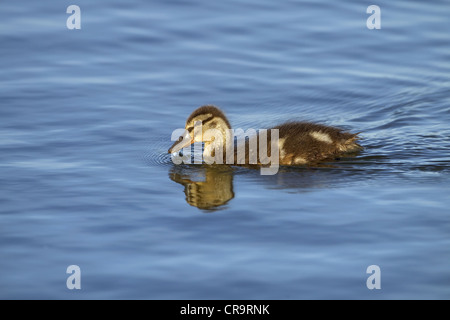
(86, 118)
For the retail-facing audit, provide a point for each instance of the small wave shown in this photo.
(155, 153)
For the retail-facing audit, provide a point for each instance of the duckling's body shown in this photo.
(304, 142)
(299, 143)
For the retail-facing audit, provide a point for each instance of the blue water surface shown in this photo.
(86, 118)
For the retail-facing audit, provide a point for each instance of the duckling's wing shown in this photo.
(304, 142)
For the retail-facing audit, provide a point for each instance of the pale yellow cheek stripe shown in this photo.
(324, 137)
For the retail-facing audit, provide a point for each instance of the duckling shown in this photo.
(299, 143)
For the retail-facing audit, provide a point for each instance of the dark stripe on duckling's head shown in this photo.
(213, 111)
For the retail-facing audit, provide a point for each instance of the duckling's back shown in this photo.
(304, 142)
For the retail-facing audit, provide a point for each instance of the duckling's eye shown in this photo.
(190, 129)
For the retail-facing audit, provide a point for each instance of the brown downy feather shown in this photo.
(304, 142)
(209, 109)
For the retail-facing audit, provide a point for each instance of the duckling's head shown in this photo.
(209, 117)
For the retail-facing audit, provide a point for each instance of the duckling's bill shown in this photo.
(182, 142)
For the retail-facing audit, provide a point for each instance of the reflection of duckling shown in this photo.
(299, 142)
(214, 191)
